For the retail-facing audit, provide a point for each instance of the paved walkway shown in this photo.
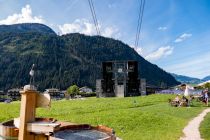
(191, 131)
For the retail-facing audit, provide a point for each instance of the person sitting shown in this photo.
(177, 100)
(184, 101)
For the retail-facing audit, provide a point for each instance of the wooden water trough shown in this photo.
(50, 129)
(8, 131)
(27, 127)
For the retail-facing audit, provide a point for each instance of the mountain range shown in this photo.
(207, 78)
(26, 28)
(61, 61)
(189, 80)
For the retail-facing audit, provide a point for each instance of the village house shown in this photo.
(14, 93)
(85, 89)
(55, 93)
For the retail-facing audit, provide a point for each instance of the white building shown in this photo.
(85, 89)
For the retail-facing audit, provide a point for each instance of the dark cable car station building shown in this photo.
(120, 79)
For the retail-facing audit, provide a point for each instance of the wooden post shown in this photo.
(27, 113)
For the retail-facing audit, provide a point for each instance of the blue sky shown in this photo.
(175, 34)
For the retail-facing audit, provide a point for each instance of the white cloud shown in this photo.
(183, 37)
(140, 51)
(110, 32)
(159, 53)
(196, 66)
(86, 27)
(81, 26)
(24, 17)
(162, 28)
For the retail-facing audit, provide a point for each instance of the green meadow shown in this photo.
(205, 127)
(132, 118)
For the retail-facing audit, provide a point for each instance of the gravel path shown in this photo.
(191, 131)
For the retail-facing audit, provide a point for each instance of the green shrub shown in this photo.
(73, 90)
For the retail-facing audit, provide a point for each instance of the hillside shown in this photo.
(65, 60)
(186, 79)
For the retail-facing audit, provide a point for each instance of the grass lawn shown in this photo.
(133, 118)
(205, 127)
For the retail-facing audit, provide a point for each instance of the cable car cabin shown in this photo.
(119, 79)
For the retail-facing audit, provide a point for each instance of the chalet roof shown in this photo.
(85, 87)
(2, 92)
(52, 90)
(14, 90)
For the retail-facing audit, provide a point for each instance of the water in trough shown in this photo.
(80, 135)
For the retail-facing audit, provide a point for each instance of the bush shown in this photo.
(73, 90)
(207, 85)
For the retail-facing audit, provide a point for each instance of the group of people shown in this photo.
(184, 101)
